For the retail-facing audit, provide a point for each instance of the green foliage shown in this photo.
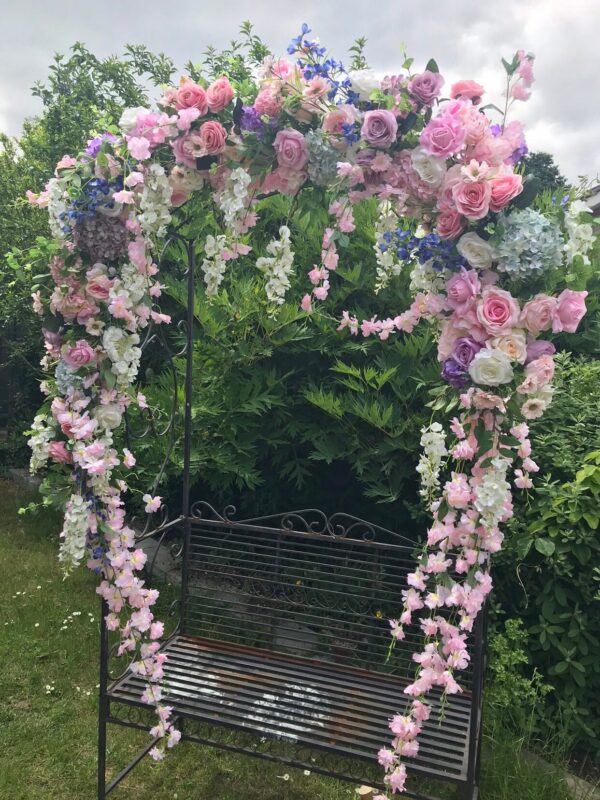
(542, 166)
(553, 549)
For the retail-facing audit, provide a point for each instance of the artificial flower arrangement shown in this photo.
(455, 212)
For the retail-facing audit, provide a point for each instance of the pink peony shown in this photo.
(520, 92)
(334, 120)
(139, 147)
(426, 87)
(182, 152)
(212, 138)
(538, 313)
(268, 101)
(191, 95)
(450, 224)
(444, 136)
(291, 149)
(467, 90)
(472, 198)
(79, 354)
(219, 95)
(497, 310)
(59, 453)
(379, 128)
(541, 371)
(570, 310)
(504, 188)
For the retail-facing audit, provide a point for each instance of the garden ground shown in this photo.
(48, 701)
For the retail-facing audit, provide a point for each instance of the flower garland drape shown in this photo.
(453, 211)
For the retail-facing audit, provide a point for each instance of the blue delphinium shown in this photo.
(440, 252)
(527, 242)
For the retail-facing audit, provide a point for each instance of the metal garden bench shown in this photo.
(281, 652)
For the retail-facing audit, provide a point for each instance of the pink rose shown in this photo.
(504, 188)
(467, 90)
(569, 311)
(219, 94)
(79, 354)
(268, 101)
(498, 311)
(450, 224)
(379, 128)
(181, 151)
(538, 313)
(461, 290)
(444, 136)
(334, 121)
(291, 149)
(191, 95)
(426, 87)
(472, 198)
(98, 287)
(211, 138)
(59, 453)
(540, 371)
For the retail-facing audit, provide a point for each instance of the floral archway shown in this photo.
(454, 211)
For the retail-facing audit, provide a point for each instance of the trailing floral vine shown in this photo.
(455, 212)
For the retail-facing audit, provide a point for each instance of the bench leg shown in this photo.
(468, 791)
(101, 758)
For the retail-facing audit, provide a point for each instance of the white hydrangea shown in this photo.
(39, 442)
(433, 442)
(233, 198)
(74, 533)
(155, 202)
(277, 266)
(214, 265)
(122, 349)
(581, 234)
(388, 264)
(491, 494)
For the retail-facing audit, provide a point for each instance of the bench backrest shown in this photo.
(299, 583)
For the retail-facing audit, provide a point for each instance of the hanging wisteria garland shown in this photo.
(452, 212)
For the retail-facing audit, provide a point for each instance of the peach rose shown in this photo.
(538, 313)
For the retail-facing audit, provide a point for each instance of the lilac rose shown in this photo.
(464, 351)
(454, 374)
(426, 87)
(537, 348)
(379, 128)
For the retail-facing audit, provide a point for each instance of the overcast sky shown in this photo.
(467, 38)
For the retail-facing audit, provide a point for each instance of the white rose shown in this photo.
(108, 416)
(475, 250)
(364, 81)
(491, 368)
(513, 345)
(431, 170)
(129, 117)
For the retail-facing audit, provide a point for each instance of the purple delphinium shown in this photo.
(454, 374)
(464, 351)
(94, 145)
(250, 121)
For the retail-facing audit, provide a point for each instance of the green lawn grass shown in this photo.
(48, 701)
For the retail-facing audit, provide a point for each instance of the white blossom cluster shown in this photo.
(388, 263)
(277, 266)
(233, 198)
(130, 283)
(581, 234)
(39, 442)
(56, 207)
(74, 533)
(491, 494)
(433, 442)
(155, 202)
(122, 349)
(424, 278)
(214, 265)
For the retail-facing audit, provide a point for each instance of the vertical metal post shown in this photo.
(187, 424)
(476, 704)
(103, 704)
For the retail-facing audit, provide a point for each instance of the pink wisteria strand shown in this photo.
(454, 212)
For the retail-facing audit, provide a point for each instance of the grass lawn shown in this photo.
(48, 701)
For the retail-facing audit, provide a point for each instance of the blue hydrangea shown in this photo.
(323, 159)
(527, 242)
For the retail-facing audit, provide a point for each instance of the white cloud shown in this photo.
(467, 37)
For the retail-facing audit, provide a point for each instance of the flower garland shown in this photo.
(453, 210)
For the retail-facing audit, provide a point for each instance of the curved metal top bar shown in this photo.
(306, 520)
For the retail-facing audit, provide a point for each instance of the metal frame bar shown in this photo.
(307, 525)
